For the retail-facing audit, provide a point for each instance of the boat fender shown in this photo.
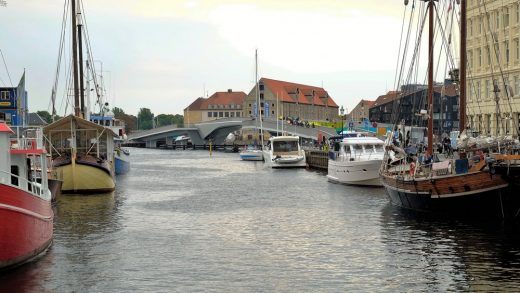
(412, 169)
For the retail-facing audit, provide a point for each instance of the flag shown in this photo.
(20, 101)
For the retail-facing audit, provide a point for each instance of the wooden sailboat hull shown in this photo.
(478, 194)
(80, 178)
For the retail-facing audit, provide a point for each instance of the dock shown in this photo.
(317, 159)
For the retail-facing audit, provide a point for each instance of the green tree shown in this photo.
(178, 120)
(45, 116)
(118, 112)
(145, 119)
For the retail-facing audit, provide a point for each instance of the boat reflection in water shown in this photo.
(457, 255)
(78, 222)
(84, 216)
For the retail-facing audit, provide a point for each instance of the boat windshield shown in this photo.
(285, 146)
(379, 148)
(356, 148)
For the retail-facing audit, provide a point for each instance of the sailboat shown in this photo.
(82, 151)
(449, 187)
(254, 152)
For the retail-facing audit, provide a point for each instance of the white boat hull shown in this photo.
(355, 172)
(252, 155)
(285, 161)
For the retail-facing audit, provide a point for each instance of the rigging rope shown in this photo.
(60, 54)
(6, 69)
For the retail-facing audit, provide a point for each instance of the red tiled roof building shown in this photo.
(219, 105)
(294, 100)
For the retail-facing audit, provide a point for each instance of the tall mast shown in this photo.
(80, 63)
(75, 60)
(462, 89)
(258, 99)
(430, 77)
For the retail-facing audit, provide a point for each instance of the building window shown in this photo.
(261, 86)
(209, 114)
(232, 106)
(497, 18)
(506, 17)
(220, 114)
(517, 49)
(517, 85)
(507, 88)
(226, 114)
(506, 47)
(231, 114)
(470, 59)
(249, 113)
(238, 113)
(517, 12)
(488, 123)
(488, 89)
(479, 52)
(5, 95)
(470, 25)
(478, 90)
(272, 112)
(261, 96)
(487, 57)
(238, 106)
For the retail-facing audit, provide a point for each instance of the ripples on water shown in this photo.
(181, 221)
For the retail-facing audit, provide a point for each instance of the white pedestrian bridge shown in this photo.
(217, 130)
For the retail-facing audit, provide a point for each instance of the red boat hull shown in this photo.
(26, 226)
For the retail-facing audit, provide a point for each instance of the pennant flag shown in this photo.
(20, 101)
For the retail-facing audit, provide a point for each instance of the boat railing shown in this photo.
(31, 138)
(33, 187)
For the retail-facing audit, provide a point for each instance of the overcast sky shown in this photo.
(163, 54)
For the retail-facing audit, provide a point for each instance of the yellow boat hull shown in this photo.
(79, 178)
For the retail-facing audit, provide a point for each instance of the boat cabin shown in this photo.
(360, 148)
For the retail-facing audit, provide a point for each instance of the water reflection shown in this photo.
(80, 216)
(450, 254)
(80, 222)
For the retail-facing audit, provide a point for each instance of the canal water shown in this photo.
(184, 221)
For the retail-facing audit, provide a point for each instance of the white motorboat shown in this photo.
(285, 152)
(250, 153)
(356, 161)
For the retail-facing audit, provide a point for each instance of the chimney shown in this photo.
(229, 90)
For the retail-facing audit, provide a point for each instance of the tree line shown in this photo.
(145, 119)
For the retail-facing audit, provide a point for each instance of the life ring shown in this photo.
(412, 169)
